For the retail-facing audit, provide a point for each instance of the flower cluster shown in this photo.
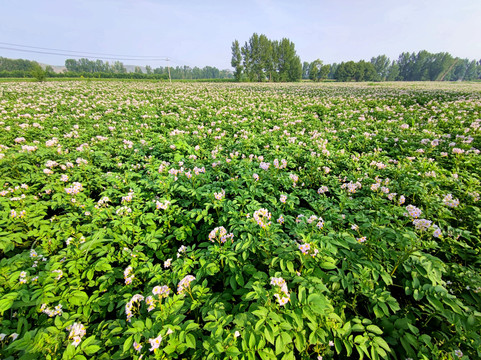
(77, 331)
(256, 177)
(322, 190)
(20, 214)
(137, 346)
(425, 225)
(283, 295)
(155, 343)
(59, 274)
(449, 201)
(283, 199)
(74, 189)
(351, 187)
(130, 305)
(159, 205)
(103, 202)
(283, 164)
(123, 211)
(220, 195)
(22, 278)
(197, 170)
(57, 310)
(474, 195)
(262, 217)
(307, 249)
(181, 251)
(413, 211)
(422, 224)
(184, 284)
(128, 276)
(294, 179)
(264, 165)
(361, 239)
(162, 291)
(220, 235)
(128, 197)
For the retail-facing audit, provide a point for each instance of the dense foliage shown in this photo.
(239, 222)
(422, 66)
(262, 59)
(117, 68)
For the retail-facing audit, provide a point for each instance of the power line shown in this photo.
(87, 54)
(84, 55)
(82, 52)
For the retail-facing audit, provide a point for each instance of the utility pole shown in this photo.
(168, 68)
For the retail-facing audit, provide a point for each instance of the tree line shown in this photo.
(421, 66)
(97, 68)
(178, 72)
(261, 59)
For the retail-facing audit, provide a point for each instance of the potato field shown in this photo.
(240, 221)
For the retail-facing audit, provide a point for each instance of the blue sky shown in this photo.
(200, 33)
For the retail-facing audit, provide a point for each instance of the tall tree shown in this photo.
(236, 60)
(305, 70)
(266, 58)
(263, 59)
(315, 70)
(381, 65)
(324, 72)
(393, 72)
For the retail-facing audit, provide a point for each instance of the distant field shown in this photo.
(240, 221)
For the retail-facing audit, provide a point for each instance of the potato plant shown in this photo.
(230, 221)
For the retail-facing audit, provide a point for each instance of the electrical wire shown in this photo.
(81, 52)
(86, 56)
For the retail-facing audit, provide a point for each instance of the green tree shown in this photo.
(393, 72)
(305, 70)
(246, 61)
(381, 64)
(289, 65)
(118, 68)
(471, 73)
(266, 58)
(38, 73)
(236, 61)
(324, 72)
(315, 70)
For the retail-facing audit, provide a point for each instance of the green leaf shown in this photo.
(357, 328)
(78, 297)
(374, 329)
(338, 345)
(128, 343)
(190, 341)
(382, 343)
(328, 265)
(169, 349)
(269, 334)
(92, 349)
(302, 294)
(279, 345)
(300, 341)
(232, 351)
(317, 303)
(7, 301)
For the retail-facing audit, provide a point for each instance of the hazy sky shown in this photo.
(200, 33)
